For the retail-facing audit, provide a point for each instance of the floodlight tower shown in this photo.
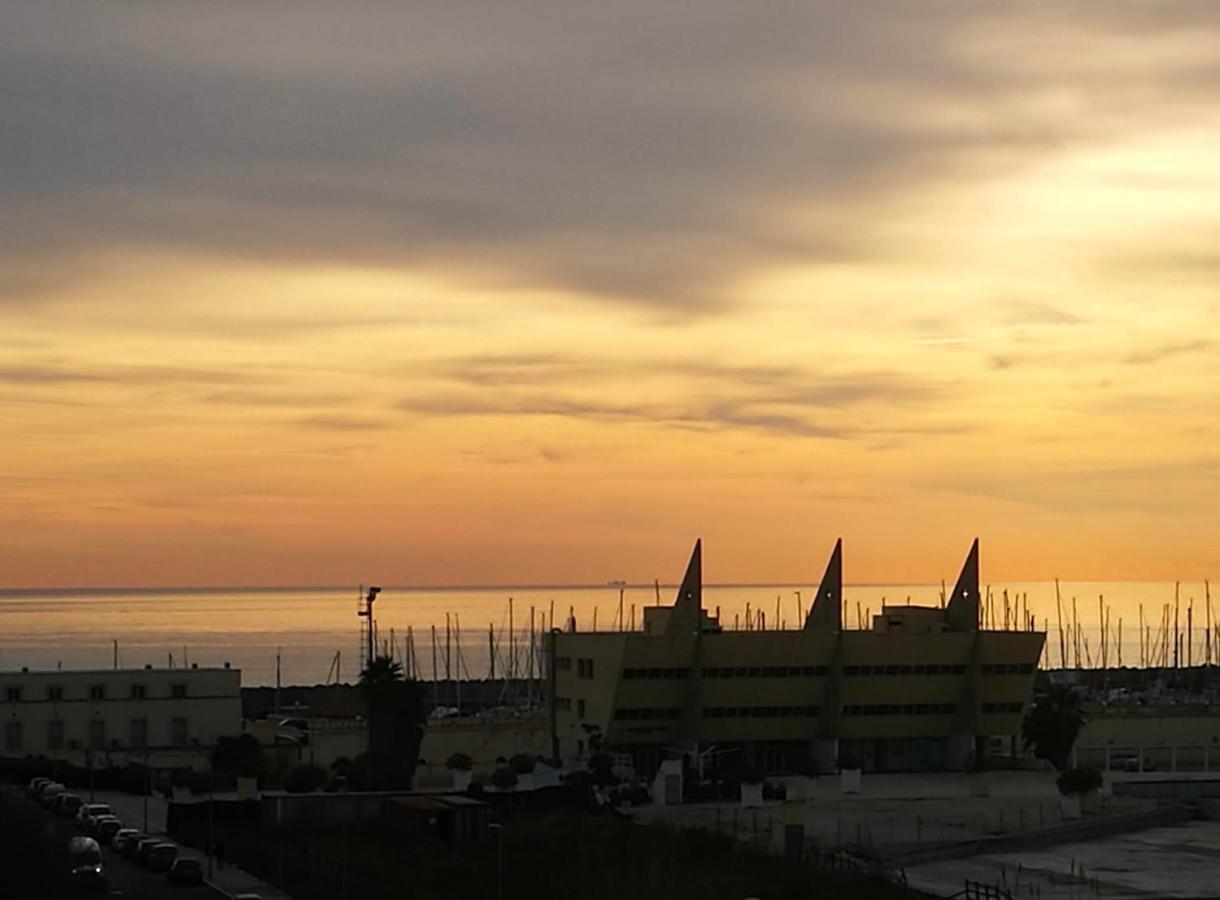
(369, 637)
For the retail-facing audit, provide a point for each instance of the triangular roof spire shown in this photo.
(827, 609)
(962, 614)
(688, 605)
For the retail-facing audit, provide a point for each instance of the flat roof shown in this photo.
(177, 670)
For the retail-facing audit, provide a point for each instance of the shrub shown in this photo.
(774, 791)
(639, 795)
(504, 778)
(1079, 781)
(304, 779)
(521, 763)
(459, 762)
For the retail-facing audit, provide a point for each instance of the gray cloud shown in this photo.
(1163, 351)
(648, 154)
(704, 396)
(34, 375)
(343, 423)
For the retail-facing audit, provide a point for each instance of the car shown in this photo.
(122, 837)
(162, 856)
(48, 792)
(85, 868)
(35, 785)
(185, 870)
(89, 812)
(143, 848)
(67, 805)
(106, 827)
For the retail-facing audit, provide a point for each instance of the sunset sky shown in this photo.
(460, 293)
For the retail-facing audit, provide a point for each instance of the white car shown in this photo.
(90, 812)
(122, 837)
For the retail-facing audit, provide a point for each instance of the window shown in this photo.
(177, 732)
(55, 692)
(12, 737)
(12, 694)
(97, 733)
(563, 663)
(580, 709)
(55, 734)
(177, 691)
(584, 668)
(97, 692)
(139, 732)
(138, 692)
(563, 703)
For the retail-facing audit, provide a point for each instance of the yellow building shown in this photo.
(921, 689)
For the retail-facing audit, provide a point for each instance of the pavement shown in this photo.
(229, 881)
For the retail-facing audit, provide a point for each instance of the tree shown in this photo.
(601, 770)
(504, 778)
(1052, 725)
(521, 763)
(238, 756)
(1078, 782)
(459, 762)
(396, 717)
(304, 779)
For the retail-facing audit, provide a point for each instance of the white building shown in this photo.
(107, 716)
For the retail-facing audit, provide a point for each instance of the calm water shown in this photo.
(77, 629)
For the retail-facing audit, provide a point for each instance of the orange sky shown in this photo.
(409, 297)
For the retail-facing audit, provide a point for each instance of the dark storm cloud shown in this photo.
(644, 152)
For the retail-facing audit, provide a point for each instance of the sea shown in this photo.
(313, 636)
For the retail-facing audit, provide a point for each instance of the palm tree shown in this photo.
(1052, 725)
(396, 719)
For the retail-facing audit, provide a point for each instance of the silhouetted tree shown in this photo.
(238, 756)
(1052, 725)
(396, 718)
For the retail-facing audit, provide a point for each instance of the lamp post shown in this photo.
(499, 830)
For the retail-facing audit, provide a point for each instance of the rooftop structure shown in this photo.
(922, 688)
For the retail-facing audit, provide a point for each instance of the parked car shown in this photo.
(91, 811)
(106, 827)
(185, 870)
(143, 848)
(162, 856)
(85, 864)
(67, 805)
(123, 837)
(48, 792)
(35, 786)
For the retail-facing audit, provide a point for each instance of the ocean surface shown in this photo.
(77, 629)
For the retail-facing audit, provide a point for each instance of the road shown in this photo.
(126, 878)
(137, 883)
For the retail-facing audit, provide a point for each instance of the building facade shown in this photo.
(921, 689)
(107, 716)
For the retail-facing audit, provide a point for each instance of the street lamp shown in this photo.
(499, 830)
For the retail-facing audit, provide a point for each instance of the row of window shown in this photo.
(1003, 707)
(765, 671)
(759, 712)
(900, 709)
(584, 667)
(656, 673)
(55, 693)
(647, 713)
(137, 735)
(928, 669)
(780, 712)
(1007, 668)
